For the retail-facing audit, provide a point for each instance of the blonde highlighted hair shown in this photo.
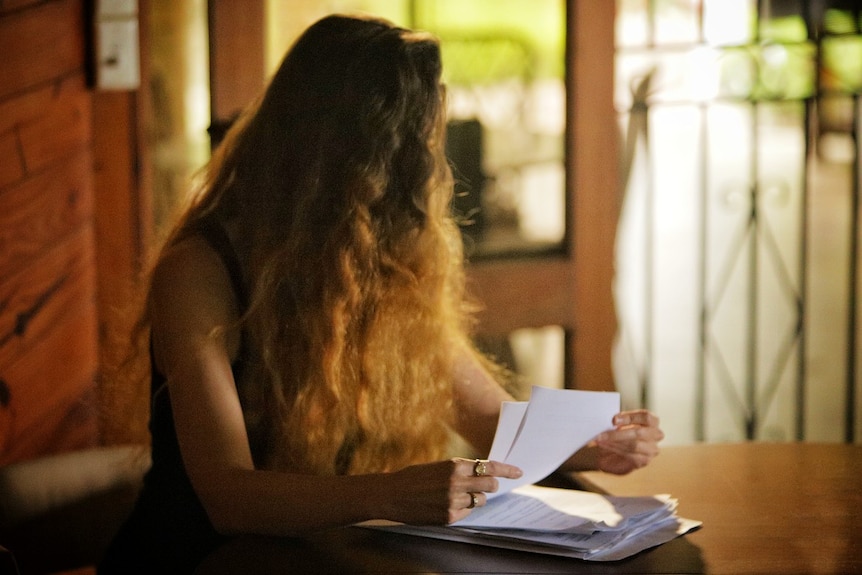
(338, 181)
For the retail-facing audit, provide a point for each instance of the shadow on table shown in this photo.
(358, 550)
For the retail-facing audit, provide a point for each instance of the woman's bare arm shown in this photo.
(478, 398)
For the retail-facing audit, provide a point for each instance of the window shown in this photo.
(737, 249)
(503, 65)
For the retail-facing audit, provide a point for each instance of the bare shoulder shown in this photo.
(191, 294)
(190, 258)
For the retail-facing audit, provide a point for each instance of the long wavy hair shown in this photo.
(338, 181)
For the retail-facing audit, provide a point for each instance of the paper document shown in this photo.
(565, 522)
(546, 509)
(539, 435)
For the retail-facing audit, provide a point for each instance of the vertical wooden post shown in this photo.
(237, 59)
(592, 143)
(124, 236)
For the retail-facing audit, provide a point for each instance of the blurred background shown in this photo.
(737, 249)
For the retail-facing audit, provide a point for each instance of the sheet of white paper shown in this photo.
(580, 547)
(603, 545)
(556, 423)
(508, 427)
(547, 509)
(661, 533)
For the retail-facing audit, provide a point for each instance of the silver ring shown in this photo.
(474, 500)
(480, 468)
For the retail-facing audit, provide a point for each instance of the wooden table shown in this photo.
(766, 508)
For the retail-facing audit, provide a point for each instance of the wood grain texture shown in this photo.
(41, 44)
(12, 166)
(31, 104)
(11, 5)
(48, 385)
(48, 312)
(63, 129)
(36, 299)
(119, 256)
(765, 507)
(49, 368)
(42, 209)
(48, 352)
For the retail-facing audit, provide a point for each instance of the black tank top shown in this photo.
(169, 530)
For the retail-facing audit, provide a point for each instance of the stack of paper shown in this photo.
(538, 436)
(565, 522)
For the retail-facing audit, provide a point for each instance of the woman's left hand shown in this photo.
(632, 444)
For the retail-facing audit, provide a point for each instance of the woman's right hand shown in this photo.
(442, 492)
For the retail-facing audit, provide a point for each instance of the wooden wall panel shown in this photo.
(10, 5)
(63, 128)
(48, 356)
(30, 104)
(34, 213)
(11, 168)
(37, 298)
(48, 310)
(40, 44)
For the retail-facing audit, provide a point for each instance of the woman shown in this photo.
(309, 333)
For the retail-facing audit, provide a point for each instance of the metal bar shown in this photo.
(804, 204)
(753, 270)
(649, 265)
(772, 382)
(801, 355)
(850, 407)
(723, 374)
(725, 273)
(700, 390)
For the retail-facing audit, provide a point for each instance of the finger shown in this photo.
(631, 433)
(475, 499)
(636, 417)
(490, 469)
(631, 440)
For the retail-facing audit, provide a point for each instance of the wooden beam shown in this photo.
(522, 293)
(593, 190)
(237, 59)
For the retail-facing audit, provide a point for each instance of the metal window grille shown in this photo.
(740, 230)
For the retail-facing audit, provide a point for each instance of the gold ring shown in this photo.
(474, 500)
(480, 468)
